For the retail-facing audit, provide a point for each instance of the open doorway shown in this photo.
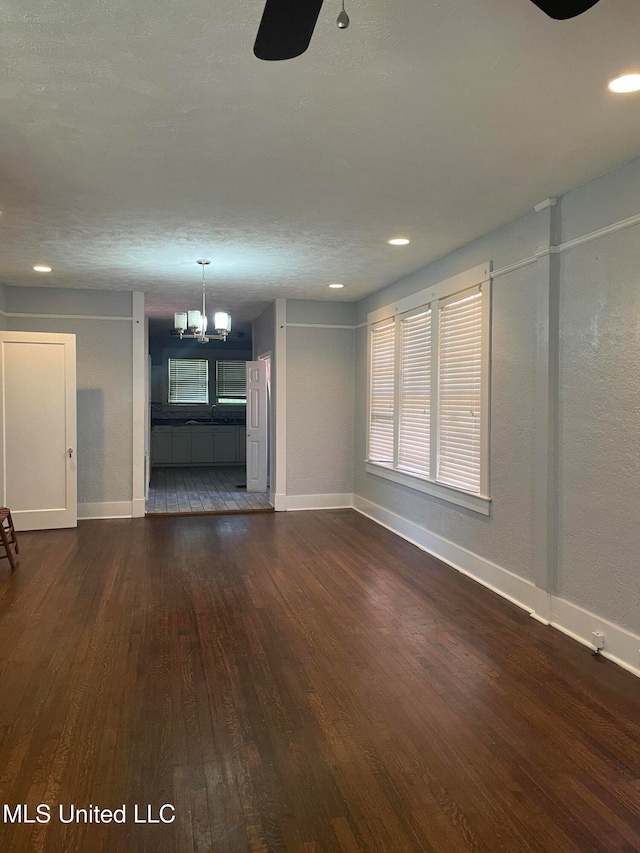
(198, 424)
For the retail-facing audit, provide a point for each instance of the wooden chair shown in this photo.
(8, 537)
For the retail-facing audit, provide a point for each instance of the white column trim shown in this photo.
(138, 357)
(545, 468)
(279, 368)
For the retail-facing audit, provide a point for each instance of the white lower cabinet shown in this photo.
(161, 445)
(198, 445)
(181, 446)
(202, 445)
(225, 444)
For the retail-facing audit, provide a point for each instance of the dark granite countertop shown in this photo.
(195, 422)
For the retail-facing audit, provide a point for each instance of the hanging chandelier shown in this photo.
(193, 324)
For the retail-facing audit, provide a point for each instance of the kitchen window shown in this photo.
(429, 363)
(231, 382)
(188, 380)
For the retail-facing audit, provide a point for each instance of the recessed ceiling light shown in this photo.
(625, 83)
(42, 268)
(398, 241)
(336, 285)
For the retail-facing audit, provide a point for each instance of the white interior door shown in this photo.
(256, 426)
(38, 475)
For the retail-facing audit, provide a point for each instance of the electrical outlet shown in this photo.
(597, 638)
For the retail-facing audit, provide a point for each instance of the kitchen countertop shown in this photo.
(194, 422)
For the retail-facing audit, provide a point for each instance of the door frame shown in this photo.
(69, 514)
(271, 445)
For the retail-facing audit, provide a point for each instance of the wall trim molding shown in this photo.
(63, 316)
(319, 326)
(334, 501)
(110, 509)
(621, 646)
(621, 225)
(525, 262)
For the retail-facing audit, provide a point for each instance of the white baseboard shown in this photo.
(516, 589)
(621, 646)
(138, 507)
(112, 509)
(337, 501)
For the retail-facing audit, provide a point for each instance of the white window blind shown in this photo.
(415, 393)
(381, 414)
(188, 380)
(231, 381)
(460, 391)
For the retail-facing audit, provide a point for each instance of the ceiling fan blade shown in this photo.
(286, 28)
(563, 9)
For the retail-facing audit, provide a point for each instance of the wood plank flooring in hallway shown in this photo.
(205, 489)
(298, 682)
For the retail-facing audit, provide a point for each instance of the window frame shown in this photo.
(171, 402)
(431, 297)
(227, 400)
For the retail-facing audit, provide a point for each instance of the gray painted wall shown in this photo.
(263, 332)
(599, 427)
(68, 301)
(3, 324)
(601, 202)
(598, 408)
(321, 312)
(104, 379)
(320, 398)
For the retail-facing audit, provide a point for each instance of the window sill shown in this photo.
(476, 503)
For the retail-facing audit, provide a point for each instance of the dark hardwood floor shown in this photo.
(298, 682)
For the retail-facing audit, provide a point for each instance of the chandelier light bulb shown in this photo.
(343, 19)
(193, 324)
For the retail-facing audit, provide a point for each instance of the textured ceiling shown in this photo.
(137, 137)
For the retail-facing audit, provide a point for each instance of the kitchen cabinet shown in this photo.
(202, 445)
(161, 445)
(241, 453)
(181, 445)
(225, 444)
(198, 444)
